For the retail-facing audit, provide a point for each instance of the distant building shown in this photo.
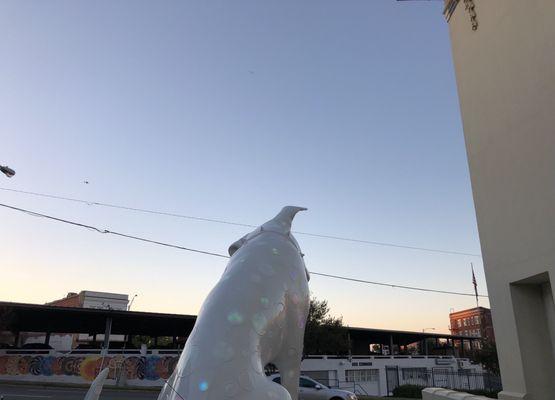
(474, 322)
(90, 299)
(83, 299)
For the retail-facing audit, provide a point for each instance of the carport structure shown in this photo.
(362, 338)
(48, 319)
(19, 317)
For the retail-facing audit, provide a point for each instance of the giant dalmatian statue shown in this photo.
(255, 315)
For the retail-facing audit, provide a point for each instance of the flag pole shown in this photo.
(475, 284)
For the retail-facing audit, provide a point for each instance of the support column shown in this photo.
(391, 345)
(107, 332)
(47, 338)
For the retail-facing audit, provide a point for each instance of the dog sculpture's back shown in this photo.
(255, 315)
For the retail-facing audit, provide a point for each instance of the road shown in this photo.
(34, 392)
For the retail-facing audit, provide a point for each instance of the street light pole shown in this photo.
(131, 302)
(7, 171)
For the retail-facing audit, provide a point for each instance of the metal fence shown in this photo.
(442, 377)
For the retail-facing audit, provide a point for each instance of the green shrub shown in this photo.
(408, 391)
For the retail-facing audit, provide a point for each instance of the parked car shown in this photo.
(309, 389)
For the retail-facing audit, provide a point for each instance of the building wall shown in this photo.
(153, 368)
(133, 369)
(506, 81)
(338, 369)
(475, 322)
(71, 300)
(104, 300)
(91, 299)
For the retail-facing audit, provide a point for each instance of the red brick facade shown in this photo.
(475, 322)
(71, 300)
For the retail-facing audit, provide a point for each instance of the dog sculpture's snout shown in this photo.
(281, 223)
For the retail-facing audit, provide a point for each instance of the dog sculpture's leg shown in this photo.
(288, 360)
(290, 371)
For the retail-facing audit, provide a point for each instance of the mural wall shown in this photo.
(144, 370)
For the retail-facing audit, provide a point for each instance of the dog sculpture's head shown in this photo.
(281, 224)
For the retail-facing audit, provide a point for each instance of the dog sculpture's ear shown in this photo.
(236, 245)
(282, 222)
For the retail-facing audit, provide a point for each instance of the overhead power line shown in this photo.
(106, 231)
(220, 221)
(394, 285)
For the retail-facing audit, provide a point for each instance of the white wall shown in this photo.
(338, 366)
(80, 368)
(113, 301)
(506, 81)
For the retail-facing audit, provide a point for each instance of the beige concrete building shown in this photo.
(504, 56)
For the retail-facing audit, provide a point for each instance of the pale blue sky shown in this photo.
(232, 109)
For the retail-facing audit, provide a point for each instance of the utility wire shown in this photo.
(393, 285)
(106, 231)
(220, 221)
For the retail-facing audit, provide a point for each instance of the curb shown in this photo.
(80, 386)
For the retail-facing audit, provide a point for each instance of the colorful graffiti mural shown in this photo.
(149, 368)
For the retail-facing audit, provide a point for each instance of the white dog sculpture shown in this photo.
(255, 315)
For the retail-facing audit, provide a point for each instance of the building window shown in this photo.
(362, 375)
(459, 323)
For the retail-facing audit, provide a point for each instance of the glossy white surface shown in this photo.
(96, 386)
(255, 315)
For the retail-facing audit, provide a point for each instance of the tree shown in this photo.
(487, 356)
(324, 334)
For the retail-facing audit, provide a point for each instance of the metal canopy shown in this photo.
(18, 317)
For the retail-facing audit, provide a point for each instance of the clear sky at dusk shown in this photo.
(232, 109)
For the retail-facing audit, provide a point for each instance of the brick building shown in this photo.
(474, 322)
(91, 299)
